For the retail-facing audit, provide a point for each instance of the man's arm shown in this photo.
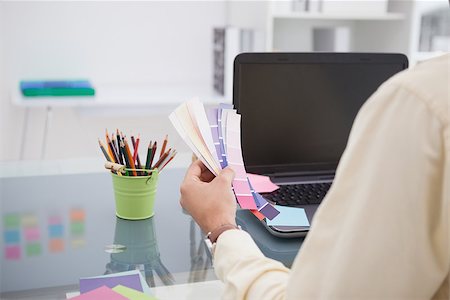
(382, 230)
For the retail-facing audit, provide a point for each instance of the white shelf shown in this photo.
(125, 96)
(327, 16)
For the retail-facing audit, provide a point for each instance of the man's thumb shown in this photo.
(226, 175)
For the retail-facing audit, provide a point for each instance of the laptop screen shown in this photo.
(296, 117)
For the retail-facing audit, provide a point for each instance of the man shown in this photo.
(383, 229)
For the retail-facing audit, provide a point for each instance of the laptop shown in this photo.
(297, 111)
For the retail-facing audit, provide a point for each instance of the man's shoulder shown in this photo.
(429, 81)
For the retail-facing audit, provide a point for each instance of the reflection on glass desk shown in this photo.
(58, 228)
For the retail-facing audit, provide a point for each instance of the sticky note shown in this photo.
(54, 220)
(11, 236)
(32, 234)
(33, 249)
(289, 216)
(77, 228)
(12, 252)
(29, 220)
(78, 243)
(102, 292)
(11, 221)
(132, 294)
(56, 231)
(77, 215)
(56, 245)
(132, 281)
(262, 184)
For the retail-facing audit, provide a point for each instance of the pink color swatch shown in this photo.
(102, 292)
(262, 184)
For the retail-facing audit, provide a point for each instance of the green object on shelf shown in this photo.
(135, 196)
(61, 92)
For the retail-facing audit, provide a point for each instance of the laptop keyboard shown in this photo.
(299, 194)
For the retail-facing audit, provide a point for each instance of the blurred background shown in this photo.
(144, 58)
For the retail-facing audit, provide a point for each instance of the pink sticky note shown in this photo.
(12, 252)
(54, 220)
(102, 292)
(262, 184)
(32, 234)
(246, 202)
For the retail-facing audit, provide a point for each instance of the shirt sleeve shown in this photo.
(381, 232)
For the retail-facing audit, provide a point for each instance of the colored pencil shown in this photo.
(166, 164)
(149, 155)
(164, 145)
(119, 149)
(110, 147)
(130, 157)
(114, 149)
(168, 158)
(105, 153)
(153, 153)
(161, 159)
(127, 162)
(136, 154)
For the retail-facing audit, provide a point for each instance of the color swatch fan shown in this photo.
(214, 135)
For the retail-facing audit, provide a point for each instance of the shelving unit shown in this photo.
(328, 16)
(396, 30)
(110, 96)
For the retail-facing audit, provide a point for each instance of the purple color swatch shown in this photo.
(132, 281)
(268, 210)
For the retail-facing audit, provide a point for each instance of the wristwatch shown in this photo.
(212, 236)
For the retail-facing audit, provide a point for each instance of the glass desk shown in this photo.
(58, 228)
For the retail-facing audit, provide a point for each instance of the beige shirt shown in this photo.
(382, 232)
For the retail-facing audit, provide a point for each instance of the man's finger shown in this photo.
(194, 170)
(226, 175)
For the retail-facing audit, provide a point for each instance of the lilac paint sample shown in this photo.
(132, 281)
(222, 106)
(268, 210)
(211, 114)
(257, 201)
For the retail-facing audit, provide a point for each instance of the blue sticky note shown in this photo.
(56, 231)
(289, 216)
(11, 236)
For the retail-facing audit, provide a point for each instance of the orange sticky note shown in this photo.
(56, 245)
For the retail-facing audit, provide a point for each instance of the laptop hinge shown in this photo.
(302, 177)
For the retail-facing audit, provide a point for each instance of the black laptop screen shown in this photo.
(298, 116)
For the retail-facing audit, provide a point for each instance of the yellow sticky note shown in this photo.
(132, 294)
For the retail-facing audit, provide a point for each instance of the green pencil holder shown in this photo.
(135, 195)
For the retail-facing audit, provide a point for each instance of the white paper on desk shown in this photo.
(201, 123)
(181, 131)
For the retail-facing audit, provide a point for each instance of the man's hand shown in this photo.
(208, 199)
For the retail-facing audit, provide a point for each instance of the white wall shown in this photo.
(158, 42)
